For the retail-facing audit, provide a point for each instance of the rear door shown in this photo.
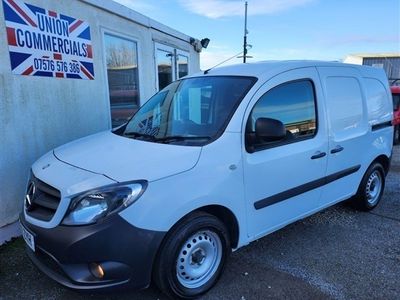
(348, 128)
(282, 178)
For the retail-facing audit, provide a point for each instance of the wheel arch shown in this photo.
(226, 216)
(384, 161)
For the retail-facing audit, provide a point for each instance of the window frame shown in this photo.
(283, 142)
(175, 50)
(124, 36)
(182, 53)
(224, 126)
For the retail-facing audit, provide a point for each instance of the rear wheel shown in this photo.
(192, 256)
(371, 188)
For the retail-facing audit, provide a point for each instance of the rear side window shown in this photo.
(377, 101)
(293, 104)
(344, 106)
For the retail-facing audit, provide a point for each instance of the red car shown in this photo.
(396, 113)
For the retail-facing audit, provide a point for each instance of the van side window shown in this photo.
(377, 102)
(293, 104)
(344, 107)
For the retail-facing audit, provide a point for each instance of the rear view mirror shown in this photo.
(270, 130)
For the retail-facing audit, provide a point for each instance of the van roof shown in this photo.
(270, 68)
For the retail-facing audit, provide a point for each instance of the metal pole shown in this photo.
(245, 33)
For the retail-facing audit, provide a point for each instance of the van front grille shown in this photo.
(42, 200)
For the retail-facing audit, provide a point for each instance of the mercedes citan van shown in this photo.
(209, 164)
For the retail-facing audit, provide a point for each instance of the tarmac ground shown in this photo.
(338, 253)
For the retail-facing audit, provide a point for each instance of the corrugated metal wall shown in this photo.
(390, 64)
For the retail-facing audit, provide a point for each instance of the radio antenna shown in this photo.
(245, 45)
(245, 34)
(222, 62)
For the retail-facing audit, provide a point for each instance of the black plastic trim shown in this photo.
(58, 277)
(304, 188)
(44, 202)
(337, 149)
(381, 125)
(319, 155)
(126, 253)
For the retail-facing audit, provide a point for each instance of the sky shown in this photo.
(281, 29)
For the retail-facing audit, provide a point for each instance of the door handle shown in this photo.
(318, 154)
(337, 149)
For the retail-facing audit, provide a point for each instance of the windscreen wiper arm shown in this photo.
(181, 138)
(138, 134)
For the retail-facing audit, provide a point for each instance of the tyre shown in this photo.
(396, 136)
(192, 256)
(371, 188)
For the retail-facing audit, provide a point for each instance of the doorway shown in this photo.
(171, 64)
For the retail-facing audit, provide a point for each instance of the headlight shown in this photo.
(91, 206)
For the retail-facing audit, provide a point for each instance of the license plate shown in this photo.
(28, 237)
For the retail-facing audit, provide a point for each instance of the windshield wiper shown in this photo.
(138, 134)
(181, 138)
(165, 139)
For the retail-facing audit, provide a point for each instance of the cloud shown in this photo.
(215, 9)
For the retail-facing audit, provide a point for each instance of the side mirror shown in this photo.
(270, 130)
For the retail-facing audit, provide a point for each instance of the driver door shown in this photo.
(283, 179)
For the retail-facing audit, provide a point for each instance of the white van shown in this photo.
(209, 164)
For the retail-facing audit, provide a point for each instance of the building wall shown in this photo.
(390, 62)
(356, 60)
(38, 114)
(391, 65)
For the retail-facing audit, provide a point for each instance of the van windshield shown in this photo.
(191, 111)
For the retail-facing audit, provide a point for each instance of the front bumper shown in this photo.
(126, 253)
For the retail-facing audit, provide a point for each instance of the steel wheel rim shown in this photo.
(374, 187)
(198, 259)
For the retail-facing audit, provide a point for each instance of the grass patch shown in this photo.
(11, 246)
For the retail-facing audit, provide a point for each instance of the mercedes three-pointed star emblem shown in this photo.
(30, 193)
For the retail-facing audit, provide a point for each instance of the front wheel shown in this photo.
(371, 188)
(192, 257)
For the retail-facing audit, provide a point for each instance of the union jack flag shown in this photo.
(45, 43)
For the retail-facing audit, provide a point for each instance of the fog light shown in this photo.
(96, 270)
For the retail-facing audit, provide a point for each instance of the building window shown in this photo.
(172, 64)
(164, 68)
(123, 80)
(293, 104)
(183, 65)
